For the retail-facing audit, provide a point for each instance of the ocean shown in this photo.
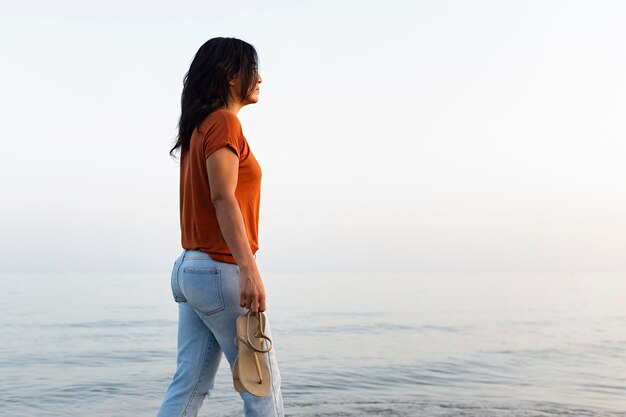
(358, 344)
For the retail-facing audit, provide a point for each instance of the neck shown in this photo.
(234, 107)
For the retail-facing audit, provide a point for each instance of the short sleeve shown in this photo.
(222, 130)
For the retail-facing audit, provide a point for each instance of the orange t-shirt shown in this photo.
(198, 221)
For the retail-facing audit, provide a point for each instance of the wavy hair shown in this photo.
(206, 84)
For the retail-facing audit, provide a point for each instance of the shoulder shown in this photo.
(221, 128)
(220, 122)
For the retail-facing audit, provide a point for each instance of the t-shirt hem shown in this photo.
(222, 258)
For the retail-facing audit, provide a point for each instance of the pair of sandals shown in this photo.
(250, 370)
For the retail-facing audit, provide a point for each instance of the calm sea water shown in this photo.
(347, 344)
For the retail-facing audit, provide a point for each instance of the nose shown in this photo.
(260, 79)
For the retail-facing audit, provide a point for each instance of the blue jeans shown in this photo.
(207, 293)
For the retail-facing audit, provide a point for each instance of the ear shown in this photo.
(233, 80)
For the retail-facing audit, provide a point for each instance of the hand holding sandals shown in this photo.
(252, 290)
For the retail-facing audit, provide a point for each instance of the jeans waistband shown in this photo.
(197, 254)
(194, 254)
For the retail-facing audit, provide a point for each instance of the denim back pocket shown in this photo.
(202, 287)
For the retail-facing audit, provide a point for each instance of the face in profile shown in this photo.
(253, 97)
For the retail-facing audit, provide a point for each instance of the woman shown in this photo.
(216, 278)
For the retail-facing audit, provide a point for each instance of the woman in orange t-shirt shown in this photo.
(216, 278)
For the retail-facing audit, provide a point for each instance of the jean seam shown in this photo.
(273, 383)
(196, 270)
(204, 366)
(219, 288)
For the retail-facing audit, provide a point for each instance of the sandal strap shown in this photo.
(258, 334)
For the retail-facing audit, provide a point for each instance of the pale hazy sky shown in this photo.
(393, 136)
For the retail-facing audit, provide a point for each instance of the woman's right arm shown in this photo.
(223, 168)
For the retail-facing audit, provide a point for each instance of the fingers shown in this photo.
(256, 303)
(250, 303)
(253, 302)
(254, 306)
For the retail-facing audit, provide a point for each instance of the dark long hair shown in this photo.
(206, 87)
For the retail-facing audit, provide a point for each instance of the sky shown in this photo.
(400, 136)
